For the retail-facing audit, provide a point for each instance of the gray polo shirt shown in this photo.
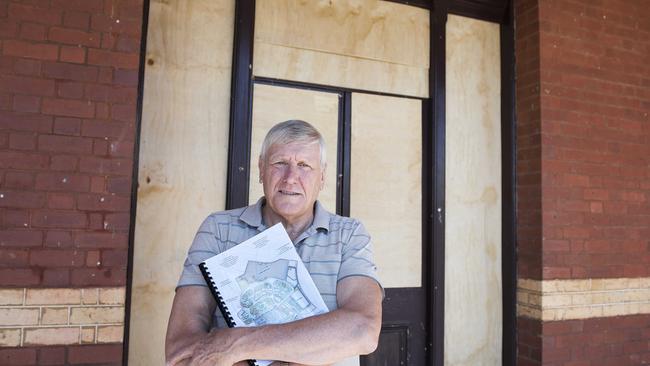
(332, 248)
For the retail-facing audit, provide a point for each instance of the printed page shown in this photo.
(264, 281)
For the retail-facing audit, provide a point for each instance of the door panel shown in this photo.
(273, 104)
(386, 183)
(403, 334)
(473, 294)
(386, 195)
(373, 46)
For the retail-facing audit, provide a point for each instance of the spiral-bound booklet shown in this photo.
(262, 281)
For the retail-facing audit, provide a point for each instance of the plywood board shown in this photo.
(183, 152)
(360, 44)
(386, 183)
(274, 104)
(473, 303)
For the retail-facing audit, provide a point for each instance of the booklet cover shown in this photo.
(262, 281)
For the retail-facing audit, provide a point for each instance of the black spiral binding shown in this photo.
(220, 303)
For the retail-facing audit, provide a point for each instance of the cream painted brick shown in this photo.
(110, 334)
(51, 316)
(11, 296)
(638, 295)
(535, 299)
(549, 286)
(584, 312)
(548, 314)
(644, 282)
(581, 312)
(532, 285)
(598, 298)
(597, 284)
(112, 295)
(645, 292)
(582, 299)
(10, 337)
(97, 315)
(630, 295)
(616, 283)
(616, 297)
(528, 312)
(522, 297)
(19, 316)
(644, 308)
(556, 300)
(614, 310)
(58, 296)
(88, 334)
(634, 283)
(90, 296)
(573, 286)
(51, 336)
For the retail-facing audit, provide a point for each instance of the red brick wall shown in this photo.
(108, 355)
(529, 341)
(583, 90)
(68, 93)
(612, 341)
(529, 204)
(529, 190)
(595, 106)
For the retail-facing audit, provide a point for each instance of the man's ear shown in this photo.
(260, 167)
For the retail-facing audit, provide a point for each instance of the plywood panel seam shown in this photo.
(345, 55)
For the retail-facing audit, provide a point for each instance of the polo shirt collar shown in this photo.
(321, 217)
(252, 216)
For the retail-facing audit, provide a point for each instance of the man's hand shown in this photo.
(217, 349)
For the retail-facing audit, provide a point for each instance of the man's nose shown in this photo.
(291, 173)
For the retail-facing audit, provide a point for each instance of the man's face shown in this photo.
(292, 177)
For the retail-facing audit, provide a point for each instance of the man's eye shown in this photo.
(280, 163)
(304, 165)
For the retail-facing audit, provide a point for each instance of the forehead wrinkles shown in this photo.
(298, 152)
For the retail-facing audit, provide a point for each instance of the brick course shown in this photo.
(61, 316)
(529, 214)
(595, 139)
(583, 106)
(66, 130)
(68, 90)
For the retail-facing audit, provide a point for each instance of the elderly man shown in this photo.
(336, 250)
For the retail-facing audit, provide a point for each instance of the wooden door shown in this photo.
(386, 173)
(374, 157)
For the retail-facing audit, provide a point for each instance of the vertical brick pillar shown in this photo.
(68, 95)
(529, 150)
(583, 89)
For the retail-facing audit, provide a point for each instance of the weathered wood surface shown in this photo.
(183, 152)
(473, 302)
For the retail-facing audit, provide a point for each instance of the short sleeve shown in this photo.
(204, 246)
(357, 257)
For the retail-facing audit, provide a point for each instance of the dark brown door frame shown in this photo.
(499, 11)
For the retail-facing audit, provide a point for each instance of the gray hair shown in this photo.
(293, 131)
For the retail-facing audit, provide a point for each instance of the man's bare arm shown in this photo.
(352, 329)
(189, 322)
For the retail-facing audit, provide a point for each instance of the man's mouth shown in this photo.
(289, 193)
